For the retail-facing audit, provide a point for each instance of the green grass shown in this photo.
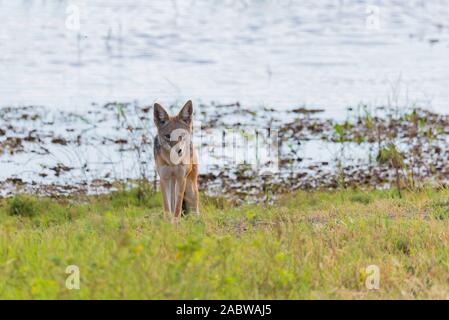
(306, 246)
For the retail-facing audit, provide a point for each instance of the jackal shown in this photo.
(176, 160)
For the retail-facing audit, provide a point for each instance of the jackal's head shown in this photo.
(174, 133)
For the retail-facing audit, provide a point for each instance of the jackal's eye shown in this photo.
(167, 136)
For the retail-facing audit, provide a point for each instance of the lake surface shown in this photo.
(276, 53)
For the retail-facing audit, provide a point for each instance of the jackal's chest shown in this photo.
(177, 171)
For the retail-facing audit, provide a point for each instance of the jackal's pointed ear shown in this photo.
(160, 115)
(186, 112)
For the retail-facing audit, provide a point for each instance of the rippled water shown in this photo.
(279, 53)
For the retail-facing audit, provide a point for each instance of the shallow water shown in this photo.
(279, 53)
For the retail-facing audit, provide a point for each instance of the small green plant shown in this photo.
(441, 214)
(339, 132)
(440, 210)
(392, 157)
(142, 195)
(361, 198)
(22, 205)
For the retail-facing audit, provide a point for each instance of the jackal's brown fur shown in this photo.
(176, 161)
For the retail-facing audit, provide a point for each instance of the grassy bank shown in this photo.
(307, 245)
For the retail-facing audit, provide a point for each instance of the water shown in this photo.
(276, 53)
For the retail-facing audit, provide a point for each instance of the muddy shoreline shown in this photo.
(56, 153)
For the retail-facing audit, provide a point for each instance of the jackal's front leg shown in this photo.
(166, 196)
(180, 189)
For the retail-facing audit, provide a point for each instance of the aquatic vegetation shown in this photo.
(395, 159)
